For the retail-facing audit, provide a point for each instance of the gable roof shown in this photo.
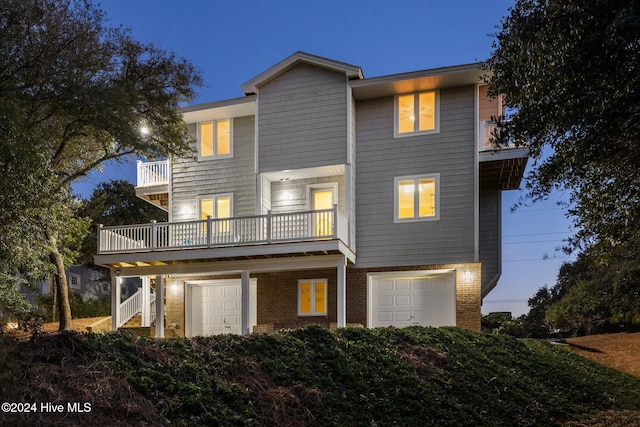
(351, 71)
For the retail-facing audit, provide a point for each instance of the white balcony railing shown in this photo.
(239, 231)
(152, 173)
(485, 138)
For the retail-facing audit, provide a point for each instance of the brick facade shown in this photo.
(277, 295)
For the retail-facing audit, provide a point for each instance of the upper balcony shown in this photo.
(153, 182)
(270, 235)
(500, 166)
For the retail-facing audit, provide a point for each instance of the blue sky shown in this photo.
(232, 42)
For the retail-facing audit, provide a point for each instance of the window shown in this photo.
(312, 297)
(217, 207)
(214, 139)
(74, 281)
(416, 113)
(417, 198)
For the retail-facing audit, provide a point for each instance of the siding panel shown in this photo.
(303, 119)
(192, 178)
(381, 157)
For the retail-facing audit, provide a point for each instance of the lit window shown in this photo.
(416, 113)
(219, 208)
(312, 297)
(214, 139)
(417, 198)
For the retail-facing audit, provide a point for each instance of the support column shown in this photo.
(146, 302)
(246, 302)
(159, 306)
(115, 299)
(341, 281)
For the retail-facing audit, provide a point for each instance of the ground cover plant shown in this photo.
(355, 376)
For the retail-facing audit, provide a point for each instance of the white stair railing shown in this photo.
(130, 307)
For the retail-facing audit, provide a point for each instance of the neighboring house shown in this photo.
(323, 197)
(88, 283)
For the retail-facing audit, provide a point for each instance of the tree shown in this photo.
(114, 203)
(570, 71)
(74, 93)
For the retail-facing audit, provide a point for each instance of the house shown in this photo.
(89, 284)
(324, 197)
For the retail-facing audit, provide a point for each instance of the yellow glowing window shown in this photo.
(214, 138)
(416, 112)
(416, 198)
(312, 297)
(223, 210)
(223, 137)
(217, 207)
(206, 139)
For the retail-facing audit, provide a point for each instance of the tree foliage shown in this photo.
(570, 71)
(114, 203)
(74, 93)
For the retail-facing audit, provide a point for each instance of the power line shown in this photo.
(529, 241)
(539, 259)
(537, 234)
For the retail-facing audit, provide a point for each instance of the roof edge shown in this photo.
(351, 71)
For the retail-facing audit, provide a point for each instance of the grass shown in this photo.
(355, 376)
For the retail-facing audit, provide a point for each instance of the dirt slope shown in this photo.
(620, 351)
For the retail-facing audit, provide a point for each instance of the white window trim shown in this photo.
(79, 281)
(321, 186)
(214, 197)
(313, 297)
(436, 112)
(397, 179)
(215, 140)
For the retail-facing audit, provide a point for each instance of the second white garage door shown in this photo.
(214, 307)
(427, 300)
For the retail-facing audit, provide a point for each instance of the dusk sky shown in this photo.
(232, 42)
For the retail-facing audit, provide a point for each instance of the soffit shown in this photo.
(437, 78)
(306, 173)
(237, 107)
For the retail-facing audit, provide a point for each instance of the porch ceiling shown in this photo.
(306, 173)
(168, 259)
(503, 174)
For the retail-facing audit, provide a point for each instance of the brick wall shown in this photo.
(278, 296)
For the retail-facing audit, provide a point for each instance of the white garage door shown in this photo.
(429, 300)
(216, 307)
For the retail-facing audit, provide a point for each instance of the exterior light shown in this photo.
(467, 275)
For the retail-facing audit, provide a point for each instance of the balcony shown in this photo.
(153, 182)
(258, 230)
(500, 166)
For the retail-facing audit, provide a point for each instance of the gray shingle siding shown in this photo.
(302, 117)
(191, 178)
(381, 158)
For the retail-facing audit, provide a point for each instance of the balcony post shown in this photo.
(98, 243)
(209, 231)
(341, 284)
(160, 306)
(146, 302)
(139, 179)
(245, 321)
(268, 226)
(153, 241)
(115, 299)
(334, 222)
